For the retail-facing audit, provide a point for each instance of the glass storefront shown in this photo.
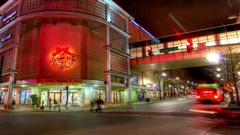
(2, 94)
(72, 97)
(55, 96)
(24, 96)
(60, 96)
(99, 94)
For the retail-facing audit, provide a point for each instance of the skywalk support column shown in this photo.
(160, 81)
(108, 59)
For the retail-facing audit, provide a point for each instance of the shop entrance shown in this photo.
(74, 97)
(55, 96)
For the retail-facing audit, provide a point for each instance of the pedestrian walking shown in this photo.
(55, 104)
(100, 105)
(92, 105)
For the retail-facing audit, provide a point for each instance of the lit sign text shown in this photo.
(10, 17)
(5, 38)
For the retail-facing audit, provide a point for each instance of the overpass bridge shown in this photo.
(171, 53)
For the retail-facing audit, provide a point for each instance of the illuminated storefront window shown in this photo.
(74, 97)
(2, 94)
(99, 94)
(24, 97)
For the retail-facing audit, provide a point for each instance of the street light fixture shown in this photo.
(217, 57)
(164, 74)
(238, 72)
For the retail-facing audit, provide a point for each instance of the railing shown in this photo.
(91, 7)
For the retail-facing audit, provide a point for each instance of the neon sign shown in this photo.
(62, 58)
(5, 38)
(10, 17)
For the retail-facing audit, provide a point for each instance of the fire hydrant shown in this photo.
(59, 107)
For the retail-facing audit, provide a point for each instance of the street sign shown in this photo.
(168, 49)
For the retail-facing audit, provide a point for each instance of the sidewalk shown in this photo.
(70, 109)
(232, 107)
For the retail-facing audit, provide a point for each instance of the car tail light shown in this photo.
(197, 96)
(215, 96)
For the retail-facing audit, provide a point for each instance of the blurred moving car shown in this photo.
(209, 93)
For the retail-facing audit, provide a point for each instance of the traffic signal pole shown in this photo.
(66, 88)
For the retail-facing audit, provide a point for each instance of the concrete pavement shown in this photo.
(226, 109)
(70, 109)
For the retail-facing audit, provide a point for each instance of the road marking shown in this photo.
(202, 111)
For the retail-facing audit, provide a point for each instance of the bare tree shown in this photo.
(230, 64)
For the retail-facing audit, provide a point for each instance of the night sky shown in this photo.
(167, 17)
(2, 2)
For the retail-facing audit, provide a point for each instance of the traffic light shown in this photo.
(189, 45)
(150, 53)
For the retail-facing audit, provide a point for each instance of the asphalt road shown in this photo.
(168, 117)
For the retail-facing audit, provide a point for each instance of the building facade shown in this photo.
(47, 45)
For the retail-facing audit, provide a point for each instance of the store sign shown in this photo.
(168, 49)
(10, 17)
(5, 38)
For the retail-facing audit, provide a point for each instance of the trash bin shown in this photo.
(147, 99)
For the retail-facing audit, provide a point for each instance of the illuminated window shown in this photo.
(178, 44)
(2, 94)
(155, 49)
(139, 52)
(202, 39)
(24, 96)
(210, 40)
(160, 46)
(232, 37)
(223, 38)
